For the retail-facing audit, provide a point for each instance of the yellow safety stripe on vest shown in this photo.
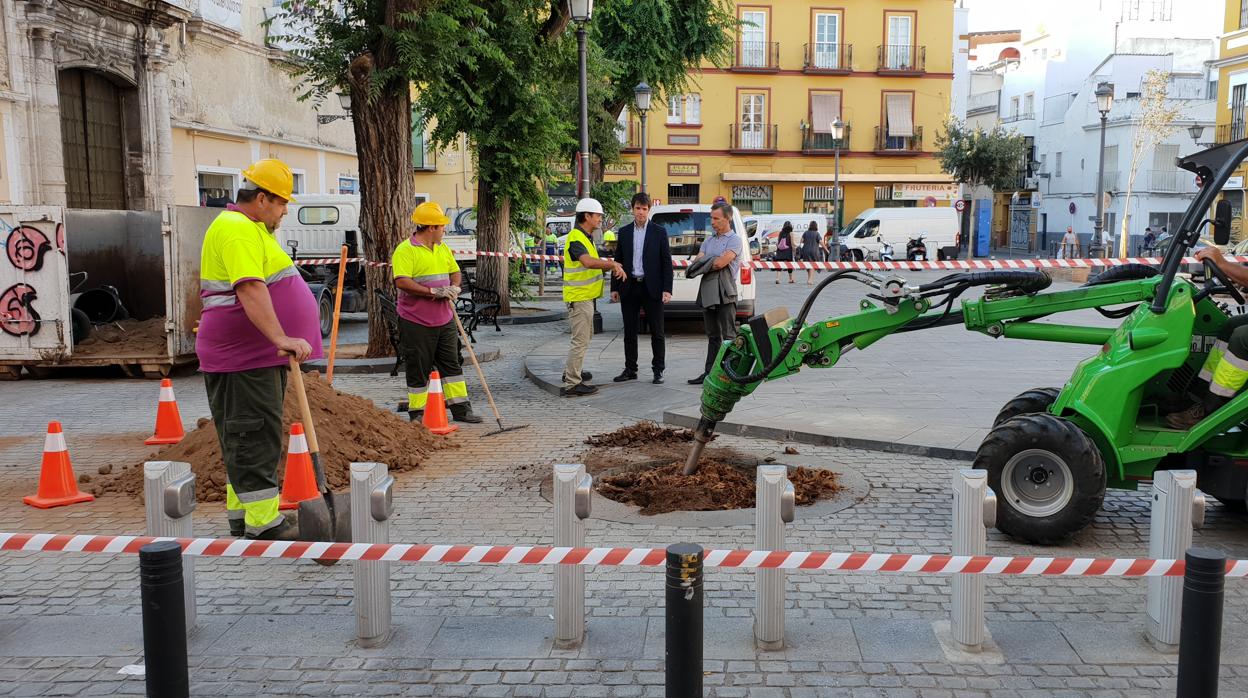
(1229, 377)
(416, 401)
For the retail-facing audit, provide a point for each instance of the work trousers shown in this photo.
(1226, 368)
(247, 411)
(634, 298)
(721, 326)
(581, 318)
(429, 348)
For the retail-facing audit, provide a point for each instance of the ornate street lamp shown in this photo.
(642, 94)
(1104, 102)
(582, 11)
(838, 135)
(344, 99)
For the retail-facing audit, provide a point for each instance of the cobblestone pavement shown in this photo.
(69, 621)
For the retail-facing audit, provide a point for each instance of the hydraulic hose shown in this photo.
(1025, 281)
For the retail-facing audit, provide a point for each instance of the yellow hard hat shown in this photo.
(429, 213)
(273, 176)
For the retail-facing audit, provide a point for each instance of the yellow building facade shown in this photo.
(1232, 119)
(758, 131)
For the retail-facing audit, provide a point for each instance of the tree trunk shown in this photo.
(493, 234)
(383, 133)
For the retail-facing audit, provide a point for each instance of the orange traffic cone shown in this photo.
(435, 408)
(300, 482)
(168, 419)
(57, 486)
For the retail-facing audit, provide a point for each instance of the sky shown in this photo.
(987, 15)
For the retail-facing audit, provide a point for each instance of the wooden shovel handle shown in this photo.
(296, 377)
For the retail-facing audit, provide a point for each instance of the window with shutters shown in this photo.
(897, 132)
(825, 107)
(1165, 175)
(673, 109)
(752, 128)
(1029, 105)
(1057, 165)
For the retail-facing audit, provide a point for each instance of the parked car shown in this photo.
(687, 226)
(864, 236)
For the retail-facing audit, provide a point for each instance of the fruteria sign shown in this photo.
(919, 192)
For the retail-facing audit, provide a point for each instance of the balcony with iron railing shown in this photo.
(983, 102)
(1229, 133)
(823, 143)
(898, 145)
(901, 59)
(1015, 118)
(754, 138)
(757, 57)
(1109, 182)
(828, 58)
(1171, 182)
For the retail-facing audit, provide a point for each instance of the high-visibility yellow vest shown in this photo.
(580, 283)
(609, 236)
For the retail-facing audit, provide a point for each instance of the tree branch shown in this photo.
(557, 23)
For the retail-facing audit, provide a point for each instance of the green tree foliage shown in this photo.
(981, 158)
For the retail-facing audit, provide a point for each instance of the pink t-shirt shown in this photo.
(237, 249)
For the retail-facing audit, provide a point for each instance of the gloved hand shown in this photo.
(449, 292)
(454, 292)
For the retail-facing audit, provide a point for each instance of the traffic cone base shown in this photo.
(57, 485)
(168, 418)
(300, 481)
(435, 419)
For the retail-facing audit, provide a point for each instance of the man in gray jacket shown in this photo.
(718, 293)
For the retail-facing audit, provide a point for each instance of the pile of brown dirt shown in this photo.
(715, 487)
(641, 433)
(125, 338)
(349, 429)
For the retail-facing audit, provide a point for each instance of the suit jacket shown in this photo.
(656, 259)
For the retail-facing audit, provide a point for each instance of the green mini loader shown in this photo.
(1052, 452)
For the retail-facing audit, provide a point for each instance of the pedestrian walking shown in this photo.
(811, 246)
(257, 313)
(717, 262)
(1069, 246)
(643, 249)
(428, 279)
(785, 248)
(582, 285)
(1150, 241)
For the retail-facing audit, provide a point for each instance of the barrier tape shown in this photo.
(615, 557)
(951, 265)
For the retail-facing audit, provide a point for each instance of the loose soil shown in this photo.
(125, 338)
(725, 477)
(349, 429)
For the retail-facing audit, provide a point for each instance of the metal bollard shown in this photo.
(164, 620)
(572, 505)
(1177, 508)
(775, 501)
(169, 498)
(974, 512)
(372, 503)
(1200, 644)
(683, 626)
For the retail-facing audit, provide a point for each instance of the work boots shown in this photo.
(462, 412)
(283, 531)
(1193, 415)
(415, 415)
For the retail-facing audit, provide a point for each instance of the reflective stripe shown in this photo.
(583, 282)
(455, 392)
(281, 274)
(1211, 362)
(1241, 364)
(257, 496)
(416, 401)
(233, 507)
(430, 277)
(261, 516)
(219, 301)
(1228, 378)
(1221, 390)
(206, 285)
(579, 282)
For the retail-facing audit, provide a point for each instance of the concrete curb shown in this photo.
(804, 437)
(384, 364)
(540, 382)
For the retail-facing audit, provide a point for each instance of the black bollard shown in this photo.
(684, 621)
(1200, 625)
(164, 620)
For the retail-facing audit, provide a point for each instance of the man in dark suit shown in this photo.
(642, 249)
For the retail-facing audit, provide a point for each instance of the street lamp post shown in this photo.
(582, 11)
(838, 132)
(643, 93)
(1104, 102)
(1196, 131)
(344, 100)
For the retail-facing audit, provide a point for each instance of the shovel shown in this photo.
(327, 518)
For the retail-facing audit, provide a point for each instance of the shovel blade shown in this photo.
(316, 524)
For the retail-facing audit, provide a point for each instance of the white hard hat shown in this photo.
(588, 206)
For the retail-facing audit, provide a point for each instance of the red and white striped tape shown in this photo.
(898, 563)
(951, 265)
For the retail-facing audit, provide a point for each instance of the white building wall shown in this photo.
(961, 54)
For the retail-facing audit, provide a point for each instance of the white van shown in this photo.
(687, 226)
(763, 230)
(866, 234)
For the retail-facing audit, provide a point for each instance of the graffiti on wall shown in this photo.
(18, 316)
(25, 248)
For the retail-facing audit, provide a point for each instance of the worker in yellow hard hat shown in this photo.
(258, 312)
(428, 280)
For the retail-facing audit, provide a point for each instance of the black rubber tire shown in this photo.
(325, 307)
(1057, 437)
(1029, 402)
(80, 325)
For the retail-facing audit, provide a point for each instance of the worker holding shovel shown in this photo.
(258, 313)
(428, 280)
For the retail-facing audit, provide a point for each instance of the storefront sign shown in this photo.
(622, 168)
(752, 192)
(683, 169)
(223, 13)
(919, 192)
(1234, 183)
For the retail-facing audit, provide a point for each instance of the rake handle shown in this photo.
(473, 355)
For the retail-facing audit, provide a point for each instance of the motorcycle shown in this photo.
(916, 249)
